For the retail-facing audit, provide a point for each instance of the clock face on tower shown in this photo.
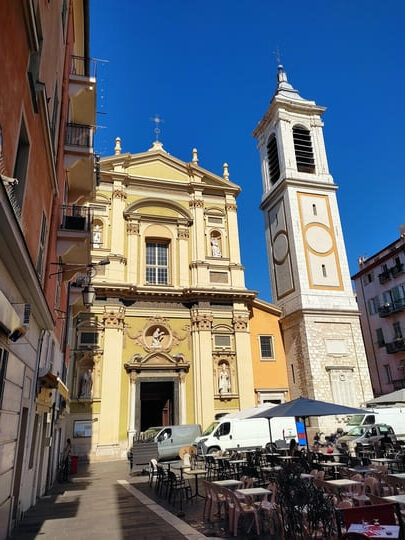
(319, 242)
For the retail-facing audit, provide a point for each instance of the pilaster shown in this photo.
(115, 270)
(133, 241)
(244, 359)
(108, 442)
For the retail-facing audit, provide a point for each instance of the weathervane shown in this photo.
(157, 120)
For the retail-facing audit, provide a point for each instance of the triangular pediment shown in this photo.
(159, 165)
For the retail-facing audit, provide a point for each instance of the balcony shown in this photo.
(384, 276)
(397, 270)
(82, 90)
(398, 384)
(74, 241)
(79, 161)
(390, 308)
(398, 345)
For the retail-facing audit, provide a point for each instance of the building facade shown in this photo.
(308, 264)
(268, 358)
(167, 340)
(380, 288)
(46, 95)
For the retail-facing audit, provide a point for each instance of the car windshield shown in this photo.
(355, 420)
(357, 431)
(210, 428)
(150, 433)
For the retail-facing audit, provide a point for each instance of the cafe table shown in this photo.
(254, 492)
(362, 470)
(196, 473)
(307, 476)
(342, 484)
(396, 498)
(385, 461)
(398, 476)
(375, 531)
(334, 465)
(227, 483)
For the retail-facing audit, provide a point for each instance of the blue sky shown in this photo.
(208, 69)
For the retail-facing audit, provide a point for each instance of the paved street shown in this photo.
(99, 503)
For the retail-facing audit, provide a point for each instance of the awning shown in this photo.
(9, 318)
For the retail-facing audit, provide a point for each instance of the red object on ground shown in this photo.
(74, 460)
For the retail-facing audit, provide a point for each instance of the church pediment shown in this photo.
(158, 361)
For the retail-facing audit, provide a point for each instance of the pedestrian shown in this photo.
(66, 460)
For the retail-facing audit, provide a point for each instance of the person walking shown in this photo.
(66, 460)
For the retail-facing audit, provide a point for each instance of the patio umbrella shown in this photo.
(304, 407)
(394, 397)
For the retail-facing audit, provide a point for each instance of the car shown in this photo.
(365, 435)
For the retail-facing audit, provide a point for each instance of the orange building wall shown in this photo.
(267, 374)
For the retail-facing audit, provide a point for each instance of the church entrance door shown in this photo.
(156, 404)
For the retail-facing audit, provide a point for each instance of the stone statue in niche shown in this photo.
(224, 380)
(215, 250)
(86, 384)
(157, 338)
(96, 236)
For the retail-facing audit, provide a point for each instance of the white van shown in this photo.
(242, 433)
(392, 416)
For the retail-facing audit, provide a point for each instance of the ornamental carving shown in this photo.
(157, 362)
(114, 318)
(240, 323)
(132, 228)
(119, 194)
(157, 335)
(196, 203)
(201, 322)
(231, 207)
(182, 234)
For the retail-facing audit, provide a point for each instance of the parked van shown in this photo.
(169, 440)
(241, 433)
(365, 435)
(393, 416)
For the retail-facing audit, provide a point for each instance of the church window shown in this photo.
(324, 273)
(272, 158)
(216, 220)
(314, 210)
(266, 347)
(157, 263)
(303, 150)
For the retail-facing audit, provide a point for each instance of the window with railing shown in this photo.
(75, 218)
(157, 263)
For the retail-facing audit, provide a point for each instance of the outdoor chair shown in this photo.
(208, 498)
(212, 468)
(162, 481)
(245, 510)
(153, 472)
(178, 487)
(218, 502)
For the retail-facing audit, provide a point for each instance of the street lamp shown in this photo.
(88, 292)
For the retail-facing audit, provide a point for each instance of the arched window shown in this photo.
(97, 235)
(272, 158)
(303, 150)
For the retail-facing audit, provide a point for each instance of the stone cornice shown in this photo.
(303, 184)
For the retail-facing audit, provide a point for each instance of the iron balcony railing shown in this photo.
(83, 67)
(397, 269)
(384, 276)
(395, 346)
(76, 218)
(398, 384)
(79, 135)
(393, 307)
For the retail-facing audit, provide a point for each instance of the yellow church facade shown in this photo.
(168, 338)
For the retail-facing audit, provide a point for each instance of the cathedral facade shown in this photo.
(167, 340)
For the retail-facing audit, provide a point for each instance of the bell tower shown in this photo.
(308, 264)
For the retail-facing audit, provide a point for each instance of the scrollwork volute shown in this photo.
(196, 203)
(114, 319)
(119, 194)
(202, 322)
(240, 323)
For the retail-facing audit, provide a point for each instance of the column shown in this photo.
(132, 264)
(237, 273)
(244, 359)
(111, 382)
(203, 368)
(132, 404)
(118, 231)
(182, 398)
